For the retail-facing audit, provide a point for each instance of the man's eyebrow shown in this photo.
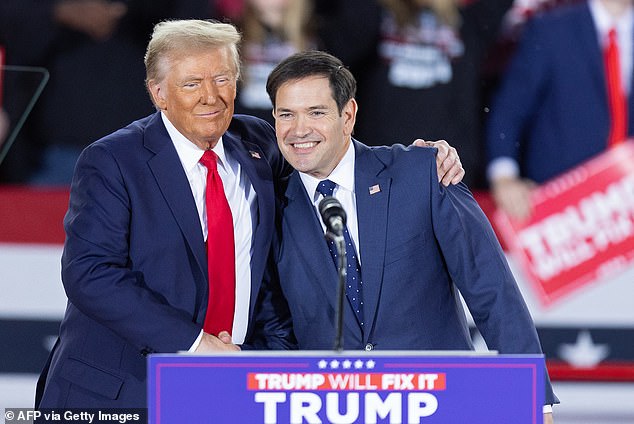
(310, 108)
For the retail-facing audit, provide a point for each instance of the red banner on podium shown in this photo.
(582, 226)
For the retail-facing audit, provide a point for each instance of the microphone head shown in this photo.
(333, 214)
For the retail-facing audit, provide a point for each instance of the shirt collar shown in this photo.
(188, 153)
(342, 175)
(604, 21)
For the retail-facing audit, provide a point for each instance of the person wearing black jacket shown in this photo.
(93, 50)
(423, 76)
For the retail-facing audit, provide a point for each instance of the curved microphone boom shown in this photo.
(333, 215)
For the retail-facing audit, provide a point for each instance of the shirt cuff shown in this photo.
(502, 167)
(548, 409)
(196, 342)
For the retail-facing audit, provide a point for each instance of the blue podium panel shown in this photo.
(347, 387)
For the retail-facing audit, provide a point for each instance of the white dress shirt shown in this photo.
(604, 22)
(343, 176)
(242, 202)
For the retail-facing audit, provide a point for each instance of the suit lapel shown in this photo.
(302, 225)
(253, 162)
(372, 192)
(588, 36)
(172, 181)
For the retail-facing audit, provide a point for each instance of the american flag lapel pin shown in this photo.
(375, 189)
(255, 155)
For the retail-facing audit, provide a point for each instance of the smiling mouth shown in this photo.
(305, 145)
(209, 113)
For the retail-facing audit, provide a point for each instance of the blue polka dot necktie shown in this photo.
(354, 284)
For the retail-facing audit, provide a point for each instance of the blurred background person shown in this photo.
(349, 30)
(510, 33)
(93, 50)
(552, 110)
(523, 10)
(272, 31)
(424, 78)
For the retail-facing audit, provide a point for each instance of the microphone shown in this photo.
(333, 215)
(334, 218)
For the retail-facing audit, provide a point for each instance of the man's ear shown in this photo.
(158, 94)
(349, 114)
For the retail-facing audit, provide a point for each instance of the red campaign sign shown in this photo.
(582, 226)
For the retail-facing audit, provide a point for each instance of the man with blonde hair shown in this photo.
(169, 228)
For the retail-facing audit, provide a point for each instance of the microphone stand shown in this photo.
(340, 243)
(11, 136)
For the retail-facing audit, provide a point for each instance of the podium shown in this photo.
(346, 387)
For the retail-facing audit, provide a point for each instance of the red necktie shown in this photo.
(220, 252)
(617, 101)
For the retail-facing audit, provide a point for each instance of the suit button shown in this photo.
(369, 347)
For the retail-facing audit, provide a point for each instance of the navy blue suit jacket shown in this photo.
(420, 243)
(134, 265)
(550, 112)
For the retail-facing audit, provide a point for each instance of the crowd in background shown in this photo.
(426, 68)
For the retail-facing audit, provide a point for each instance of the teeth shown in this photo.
(306, 145)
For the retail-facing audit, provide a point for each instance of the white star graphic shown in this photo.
(583, 353)
(358, 364)
(334, 364)
(322, 364)
(347, 364)
(370, 364)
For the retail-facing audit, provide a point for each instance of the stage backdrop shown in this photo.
(586, 333)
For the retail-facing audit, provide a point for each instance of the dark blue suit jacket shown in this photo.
(420, 243)
(134, 265)
(551, 112)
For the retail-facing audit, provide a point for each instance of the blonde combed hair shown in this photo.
(172, 36)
